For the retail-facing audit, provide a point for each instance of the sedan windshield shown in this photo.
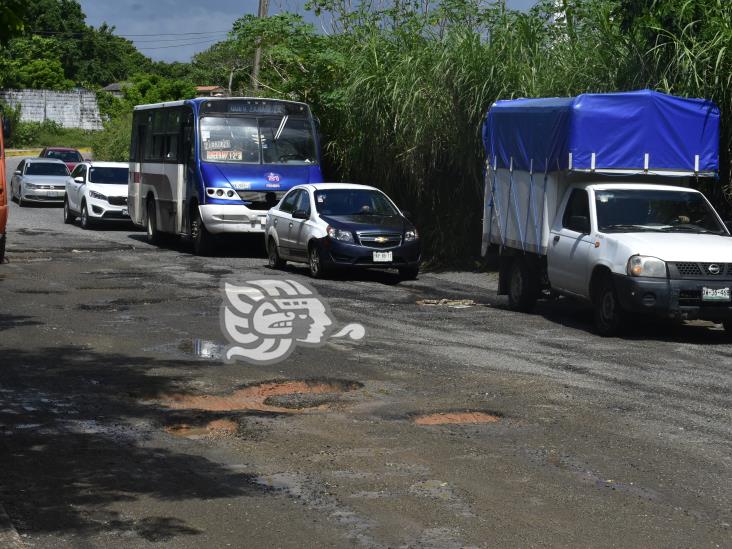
(109, 176)
(46, 168)
(353, 202)
(630, 210)
(271, 140)
(66, 156)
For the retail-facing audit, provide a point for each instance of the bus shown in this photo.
(207, 166)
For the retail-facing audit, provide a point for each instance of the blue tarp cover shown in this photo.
(620, 128)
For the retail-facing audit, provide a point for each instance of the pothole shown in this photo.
(466, 417)
(217, 427)
(272, 396)
(452, 303)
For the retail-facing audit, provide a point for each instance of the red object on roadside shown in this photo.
(70, 157)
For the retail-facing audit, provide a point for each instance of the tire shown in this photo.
(21, 202)
(68, 216)
(609, 315)
(153, 235)
(200, 237)
(523, 286)
(408, 273)
(315, 262)
(273, 255)
(86, 222)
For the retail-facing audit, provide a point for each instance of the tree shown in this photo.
(12, 13)
(221, 63)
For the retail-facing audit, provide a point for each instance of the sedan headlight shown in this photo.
(641, 265)
(337, 234)
(98, 196)
(31, 186)
(411, 235)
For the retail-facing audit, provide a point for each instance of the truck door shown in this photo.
(569, 246)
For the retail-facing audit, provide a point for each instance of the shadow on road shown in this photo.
(76, 437)
(227, 246)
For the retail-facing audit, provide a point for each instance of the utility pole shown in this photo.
(263, 8)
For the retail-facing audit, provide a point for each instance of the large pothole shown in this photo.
(271, 396)
(215, 428)
(465, 417)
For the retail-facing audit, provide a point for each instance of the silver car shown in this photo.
(39, 180)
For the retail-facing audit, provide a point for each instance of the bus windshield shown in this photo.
(282, 139)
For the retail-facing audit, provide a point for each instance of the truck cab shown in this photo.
(641, 248)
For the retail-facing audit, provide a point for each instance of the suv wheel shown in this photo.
(608, 311)
(68, 216)
(523, 286)
(86, 222)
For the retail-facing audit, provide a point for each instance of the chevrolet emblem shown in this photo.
(381, 239)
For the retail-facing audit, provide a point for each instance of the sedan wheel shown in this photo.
(315, 262)
(273, 255)
(21, 202)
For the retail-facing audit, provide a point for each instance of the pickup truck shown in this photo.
(591, 197)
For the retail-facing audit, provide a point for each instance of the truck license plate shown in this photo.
(715, 294)
(382, 257)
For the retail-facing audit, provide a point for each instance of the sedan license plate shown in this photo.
(383, 257)
(715, 294)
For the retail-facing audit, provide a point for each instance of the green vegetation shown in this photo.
(401, 92)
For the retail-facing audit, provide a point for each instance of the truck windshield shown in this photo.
(272, 140)
(629, 210)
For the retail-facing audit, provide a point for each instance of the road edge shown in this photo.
(9, 536)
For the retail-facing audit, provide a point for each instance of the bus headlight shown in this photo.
(641, 265)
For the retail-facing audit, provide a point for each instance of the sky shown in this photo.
(174, 30)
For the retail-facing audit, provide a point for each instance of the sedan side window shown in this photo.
(21, 166)
(288, 205)
(304, 202)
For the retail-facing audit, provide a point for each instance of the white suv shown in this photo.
(97, 191)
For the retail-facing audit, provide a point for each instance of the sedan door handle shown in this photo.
(556, 238)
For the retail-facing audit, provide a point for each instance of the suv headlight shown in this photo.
(96, 195)
(411, 235)
(641, 265)
(337, 234)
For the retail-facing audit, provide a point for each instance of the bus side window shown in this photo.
(186, 138)
(172, 129)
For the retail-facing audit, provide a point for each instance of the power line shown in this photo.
(177, 45)
(191, 34)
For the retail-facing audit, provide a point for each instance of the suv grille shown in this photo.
(379, 239)
(118, 200)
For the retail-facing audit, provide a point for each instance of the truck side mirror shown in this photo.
(580, 224)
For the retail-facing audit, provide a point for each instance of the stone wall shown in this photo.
(73, 109)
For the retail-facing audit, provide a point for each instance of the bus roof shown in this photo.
(199, 100)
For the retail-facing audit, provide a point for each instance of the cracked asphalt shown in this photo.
(108, 344)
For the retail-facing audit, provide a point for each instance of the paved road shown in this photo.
(122, 426)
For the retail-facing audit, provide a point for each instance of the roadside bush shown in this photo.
(113, 143)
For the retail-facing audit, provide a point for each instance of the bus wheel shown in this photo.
(153, 235)
(273, 254)
(201, 238)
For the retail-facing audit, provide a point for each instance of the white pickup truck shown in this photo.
(590, 197)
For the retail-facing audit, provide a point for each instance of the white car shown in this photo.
(39, 180)
(97, 191)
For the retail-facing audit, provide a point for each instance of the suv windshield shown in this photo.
(46, 168)
(110, 176)
(353, 202)
(272, 140)
(628, 210)
(66, 156)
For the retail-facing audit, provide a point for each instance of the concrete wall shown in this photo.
(74, 109)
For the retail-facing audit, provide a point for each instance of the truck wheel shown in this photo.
(153, 235)
(523, 287)
(608, 311)
(273, 255)
(201, 238)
